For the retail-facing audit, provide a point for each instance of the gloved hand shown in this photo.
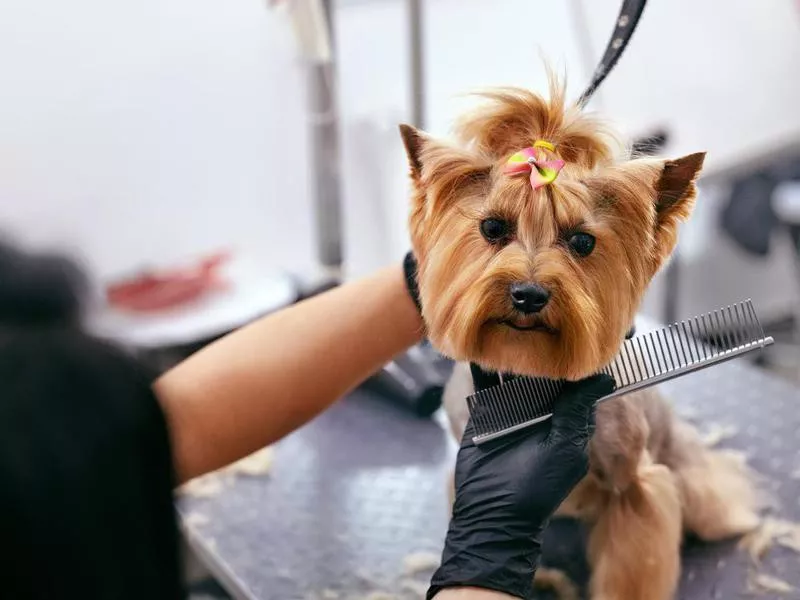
(507, 490)
(410, 272)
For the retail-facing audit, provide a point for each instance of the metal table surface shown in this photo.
(353, 493)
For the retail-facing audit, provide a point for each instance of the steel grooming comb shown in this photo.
(643, 361)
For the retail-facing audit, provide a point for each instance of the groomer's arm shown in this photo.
(261, 382)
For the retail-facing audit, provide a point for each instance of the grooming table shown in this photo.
(354, 493)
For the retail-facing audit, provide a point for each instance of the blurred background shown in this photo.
(211, 161)
(148, 134)
(152, 133)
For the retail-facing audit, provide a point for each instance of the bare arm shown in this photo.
(261, 382)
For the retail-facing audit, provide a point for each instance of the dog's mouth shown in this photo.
(529, 323)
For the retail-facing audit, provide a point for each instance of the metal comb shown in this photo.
(643, 361)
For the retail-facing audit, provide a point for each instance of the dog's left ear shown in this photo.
(676, 189)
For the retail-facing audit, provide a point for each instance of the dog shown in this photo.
(542, 275)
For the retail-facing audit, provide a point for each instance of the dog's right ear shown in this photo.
(414, 141)
(441, 175)
(434, 162)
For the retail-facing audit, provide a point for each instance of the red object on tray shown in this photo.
(163, 290)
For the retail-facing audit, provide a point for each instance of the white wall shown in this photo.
(721, 76)
(152, 130)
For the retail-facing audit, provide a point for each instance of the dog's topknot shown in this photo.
(512, 118)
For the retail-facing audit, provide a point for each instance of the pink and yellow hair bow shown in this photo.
(538, 161)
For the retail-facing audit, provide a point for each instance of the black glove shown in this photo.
(507, 490)
(410, 272)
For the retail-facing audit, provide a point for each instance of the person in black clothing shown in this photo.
(92, 446)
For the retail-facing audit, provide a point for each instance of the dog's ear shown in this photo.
(441, 174)
(675, 192)
(432, 160)
(414, 141)
(676, 189)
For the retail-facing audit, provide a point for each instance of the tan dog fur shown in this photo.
(650, 477)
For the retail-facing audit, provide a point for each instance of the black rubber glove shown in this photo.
(507, 490)
(410, 272)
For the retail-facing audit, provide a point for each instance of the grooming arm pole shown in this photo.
(326, 158)
(415, 379)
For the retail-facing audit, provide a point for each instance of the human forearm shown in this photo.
(258, 384)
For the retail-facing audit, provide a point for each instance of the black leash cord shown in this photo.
(628, 19)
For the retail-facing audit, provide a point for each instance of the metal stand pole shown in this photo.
(326, 159)
(416, 378)
(416, 63)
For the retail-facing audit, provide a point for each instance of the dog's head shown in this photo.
(539, 281)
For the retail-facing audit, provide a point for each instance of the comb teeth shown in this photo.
(643, 361)
(525, 400)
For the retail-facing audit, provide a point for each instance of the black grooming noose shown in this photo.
(628, 19)
(629, 16)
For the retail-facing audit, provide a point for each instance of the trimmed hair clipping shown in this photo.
(538, 160)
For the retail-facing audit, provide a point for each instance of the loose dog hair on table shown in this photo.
(536, 235)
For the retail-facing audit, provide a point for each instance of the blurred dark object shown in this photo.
(749, 218)
(86, 500)
(762, 206)
(786, 204)
(85, 461)
(39, 289)
(156, 291)
(651, 144)
(794, 233)
(414, 381)
(308, 288)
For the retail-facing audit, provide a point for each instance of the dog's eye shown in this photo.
(495, 230)
(581, 243)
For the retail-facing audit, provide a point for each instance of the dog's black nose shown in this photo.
(528, 297)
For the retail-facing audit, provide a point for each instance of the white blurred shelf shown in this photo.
(249, 294)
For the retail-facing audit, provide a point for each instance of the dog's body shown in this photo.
(544, 278)
(651, 480)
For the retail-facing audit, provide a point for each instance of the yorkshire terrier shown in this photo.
(536, 236)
